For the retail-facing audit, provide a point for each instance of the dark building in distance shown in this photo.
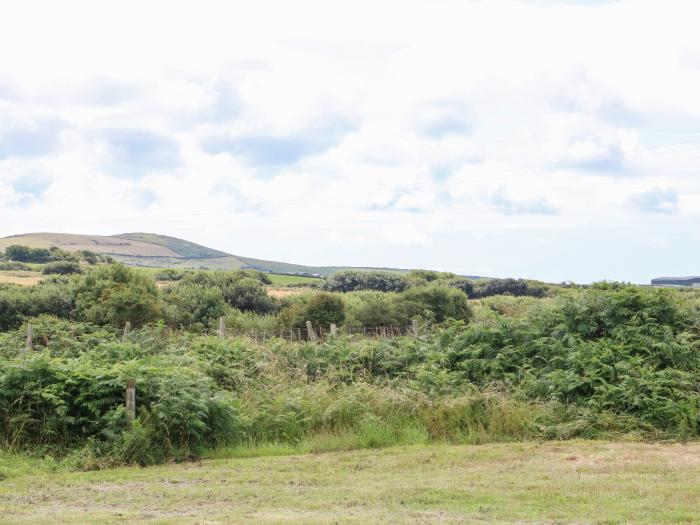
(676, 281)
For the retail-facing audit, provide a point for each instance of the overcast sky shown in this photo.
(557, 140)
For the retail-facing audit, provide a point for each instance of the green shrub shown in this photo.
(14, 266)
(193, 306)
(61, 268)
(434, 302)
(354, 280)
(116, 294)
(515, 287)
(169, 275)
(373, 309)
(242, 289)
(321, 309)
(21, 253)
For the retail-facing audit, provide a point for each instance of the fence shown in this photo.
(320, 333)
(310, 333)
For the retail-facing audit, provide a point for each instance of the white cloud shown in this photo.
(396, 133)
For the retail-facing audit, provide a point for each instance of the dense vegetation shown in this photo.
(523, 360)
(26, 254)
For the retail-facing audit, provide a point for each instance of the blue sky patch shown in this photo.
(133, 152)
(34, 139)
(656, 201)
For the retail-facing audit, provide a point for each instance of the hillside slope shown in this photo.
(162, 251)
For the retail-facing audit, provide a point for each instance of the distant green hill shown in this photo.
(162, 251)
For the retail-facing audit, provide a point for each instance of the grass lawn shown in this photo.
(554, 482)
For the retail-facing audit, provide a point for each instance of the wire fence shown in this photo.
(309, 334)
(320, 333)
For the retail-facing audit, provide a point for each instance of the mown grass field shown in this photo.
(551, 482)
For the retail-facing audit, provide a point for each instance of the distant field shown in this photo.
(277, 279)
(291, 279)
(23, 278)
(518, 483)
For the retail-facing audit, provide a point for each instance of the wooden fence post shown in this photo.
(414, 328)
(222, 327)
(334, 329)
(310, 331)
(131, 400)
(30, 338)
(127, 330)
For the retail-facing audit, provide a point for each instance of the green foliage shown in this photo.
(169, 275)
(598, 362)
(435, 302)
(461, 283)
(16, 252)
(354, 280)
(18, 303)
(373, 309)
(116, 294)
(193, 306)
(321, 309)
(61, 268)
(14, 266)
(90, 257)
(515, 287)
(242, 289)
(324, 308)
(249, 295)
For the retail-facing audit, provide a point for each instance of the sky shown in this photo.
(553, 140)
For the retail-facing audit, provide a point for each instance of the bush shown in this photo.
(435, 303)
(63, 402)
(466, 285)
(188, 305)
(168, 275)
(18, 303)
(321, 309)
(514, 287)
(15, 266)
(373, 309)
(21, 253)
(353, 280)
(15, 304)
(324, 308)
(61, 268)
(421, 277)
(242, 289)
(116, 294)
(249, 295)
